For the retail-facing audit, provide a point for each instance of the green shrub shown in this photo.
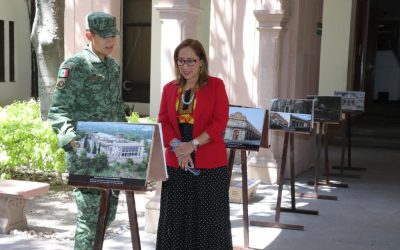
(27, 141)
(135, 118)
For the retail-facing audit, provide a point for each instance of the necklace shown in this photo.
(183, 98)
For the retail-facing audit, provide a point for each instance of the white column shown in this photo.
(178, 22)
(271, 18)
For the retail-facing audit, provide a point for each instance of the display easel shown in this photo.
(322, 135)
(244, 148)
(342, 168)
(101, 223)
(245, 199)
(289, 136)
(156, 171)
(319, 135)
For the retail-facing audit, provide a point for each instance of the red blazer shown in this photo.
(210, 115)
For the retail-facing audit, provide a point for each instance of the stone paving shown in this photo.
(366, 215)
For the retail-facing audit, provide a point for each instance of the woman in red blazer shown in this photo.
(194, 108)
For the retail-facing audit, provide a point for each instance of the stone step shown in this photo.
(369, 141)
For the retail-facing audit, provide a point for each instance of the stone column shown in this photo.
(178, 22)
(272, 18)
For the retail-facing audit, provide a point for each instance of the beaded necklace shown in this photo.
(192, 94)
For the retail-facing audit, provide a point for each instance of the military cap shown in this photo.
(102, 24)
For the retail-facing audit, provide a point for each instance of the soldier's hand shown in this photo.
(73, 144)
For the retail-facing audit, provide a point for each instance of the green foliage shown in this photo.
(135, 118)
(27, 141)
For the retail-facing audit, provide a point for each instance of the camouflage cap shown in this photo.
(102, 24)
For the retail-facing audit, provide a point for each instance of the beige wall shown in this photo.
(335, 46)
(74, 18)
(234, 49)
(300, 71)
(234, 57)
(16, 11)
(203, 32)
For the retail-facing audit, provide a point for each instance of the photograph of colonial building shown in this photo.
(299, 122)
(278, 120)
(244, 127)
(292, 115)
(352, 101)
(327, 108)
(298, 106)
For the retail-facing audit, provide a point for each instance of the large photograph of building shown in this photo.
(352, 101)
(294, 115)
(245, 128)
(111, 152)
(327, 108)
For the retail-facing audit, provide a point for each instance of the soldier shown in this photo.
(88, 89)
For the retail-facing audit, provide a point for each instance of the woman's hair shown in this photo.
(200, 52)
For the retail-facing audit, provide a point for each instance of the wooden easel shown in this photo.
(245, 199)
(319, 135)
(289, 136)
(342, 168)
(322, 135)
(101, 223)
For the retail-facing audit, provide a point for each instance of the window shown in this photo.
(11, 44)
(136, 51)
(2, 73)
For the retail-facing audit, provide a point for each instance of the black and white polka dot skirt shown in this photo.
(194, 211)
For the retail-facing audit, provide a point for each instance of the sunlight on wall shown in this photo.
(234, 49)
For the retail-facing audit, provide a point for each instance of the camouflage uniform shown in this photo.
(88, 89)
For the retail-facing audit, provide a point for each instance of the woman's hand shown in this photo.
(185, 161)
(184, 149)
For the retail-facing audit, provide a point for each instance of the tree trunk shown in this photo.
(48, 41)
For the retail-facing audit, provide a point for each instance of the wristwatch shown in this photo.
(195, 144)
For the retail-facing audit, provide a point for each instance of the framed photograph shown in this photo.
(292, 115)
(247, 128)
(352, 101)
(327, 108)
(117, 155)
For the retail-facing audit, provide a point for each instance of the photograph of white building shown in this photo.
(112, 151)
(115, 147)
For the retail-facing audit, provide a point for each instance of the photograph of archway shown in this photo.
(245, 128)
(327, 108)
(294, 115)
(352, 101)
(111, 153)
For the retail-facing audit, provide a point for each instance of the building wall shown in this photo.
(16, 11)
(234, 48)
(75, 24)
(300, 71)
(234, 52)
(203, 35)
(335, 46)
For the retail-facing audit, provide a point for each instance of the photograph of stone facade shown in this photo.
(327, 108)
(244, 129)
(352, 101)
(112, 151)
(294, 115)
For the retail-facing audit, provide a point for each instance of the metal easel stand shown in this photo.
(292, 209)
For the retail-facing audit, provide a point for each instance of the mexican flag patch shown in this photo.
(63, 73)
